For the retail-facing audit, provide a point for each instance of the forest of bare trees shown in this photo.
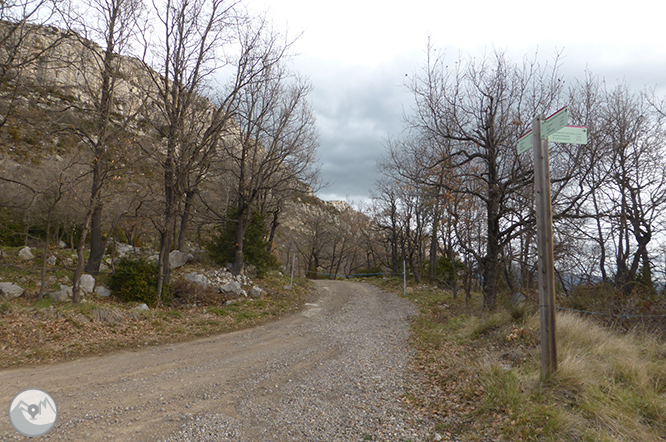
(453, 185)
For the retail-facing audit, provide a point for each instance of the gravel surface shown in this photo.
(336, 371)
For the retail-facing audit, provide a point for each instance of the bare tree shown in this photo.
(190, 37)
(637, 185)
(199, 41)
(276, 143)
(118, 22)
(625, 185)
(110, 107)
(478, 109)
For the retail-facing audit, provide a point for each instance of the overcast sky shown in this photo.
(356, 54)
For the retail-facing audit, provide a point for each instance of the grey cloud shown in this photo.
(357, 108)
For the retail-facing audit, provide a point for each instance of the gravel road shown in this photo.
(336, 371)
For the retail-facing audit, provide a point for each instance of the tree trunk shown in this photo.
(508, 275)
(601, 242)
(433, 246)
(185, 219)
(164, 267)
(415, 269)
(78, 271)
(239, 258)
(96, 243)
(452, 260)
(274, 226)
(166, 235)
(490, 264)
(45, 252)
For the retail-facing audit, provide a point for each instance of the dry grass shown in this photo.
(41, 331)
(483, 373)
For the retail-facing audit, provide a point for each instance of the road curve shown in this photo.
(336, 371)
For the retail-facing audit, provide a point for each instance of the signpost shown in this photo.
(546, 267)
(553, 128)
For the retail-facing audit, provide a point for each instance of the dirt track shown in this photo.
(335, 371)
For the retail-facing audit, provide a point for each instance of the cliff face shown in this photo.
(66, 62)
(50, 107)
(50, 90)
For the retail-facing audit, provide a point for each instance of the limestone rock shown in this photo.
(255, 292)
(197, 278)
(231, 288)
(87, 283)
(9, 290)
(102, 291)
(26, 254)
(51, 260)
(178, 259)
(122, 249)
(142, 307)
(62, 295)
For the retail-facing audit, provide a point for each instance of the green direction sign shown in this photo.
(570, 135)
(555, 122)
(555, 130)
(525, 142)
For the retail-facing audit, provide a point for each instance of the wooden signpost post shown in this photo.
(543, 129)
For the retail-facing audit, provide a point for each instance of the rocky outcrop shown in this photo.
(197, 278)
(232, 288)
(102, 291)
(255, 292)
(223, 282)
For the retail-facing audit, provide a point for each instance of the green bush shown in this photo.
(135, 280)
(444, 269)
(222, 248)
